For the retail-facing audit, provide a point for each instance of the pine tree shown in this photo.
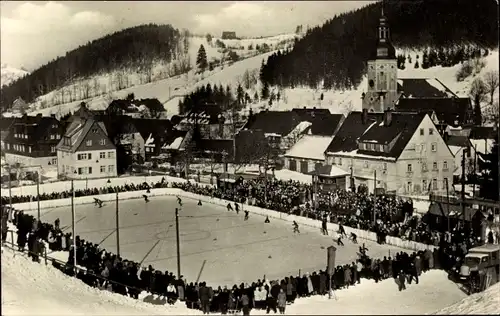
(489, 180)
(201, 59)
(256, 97)
(265, 91)
(240, 95)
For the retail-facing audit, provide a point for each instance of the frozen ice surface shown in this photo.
(235, 250)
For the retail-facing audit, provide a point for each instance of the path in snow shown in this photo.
(236, 250)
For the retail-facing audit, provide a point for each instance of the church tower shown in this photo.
(382, 87)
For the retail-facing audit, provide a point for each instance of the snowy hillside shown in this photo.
(485, 303)
(348, 100)
(104, 88)
(10, 74)
(50, 292)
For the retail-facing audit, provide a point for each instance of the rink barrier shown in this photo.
(333, 228)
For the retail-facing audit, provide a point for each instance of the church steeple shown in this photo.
(384, 46)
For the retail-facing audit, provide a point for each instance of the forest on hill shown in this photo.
(136, 47)
(336, 53)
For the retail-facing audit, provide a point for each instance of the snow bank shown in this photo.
(30, 288)
(362, 234)
(487, 302)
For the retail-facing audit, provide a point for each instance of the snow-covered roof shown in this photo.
(310, 147)
(286, 175)
(149, 141)
(354, 154)
(482, 146)
(176, 144)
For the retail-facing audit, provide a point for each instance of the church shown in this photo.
(385, 91)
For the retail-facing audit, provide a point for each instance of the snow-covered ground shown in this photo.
(35, 289)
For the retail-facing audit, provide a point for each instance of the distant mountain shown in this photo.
(11, 74)
(336, 53)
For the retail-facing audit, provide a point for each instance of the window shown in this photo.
(90, 170)
(111, 154)
(102, 154)
(424, 166)
(421, 132)
(434, 184)
(102, 142)
(445, 165)
(371, 146)
(365, 165)
(433, 147)
(94, 130)
(304, 167)
(29, 149)
(90, 156)
(111, 168)
(293, 165)
(52, 149)
(380, 147)
(409, 187)
(408, 168)
(431, 131)
(53, 161)
(52, 136)
(384, 166)
(445, 180)
(424, 185)
(317, 165)
(81, 170)
(434, 166)
(103, 169)
(54, 125)
(82, 156)
(88, 142)
(58, 136)
(340, 161)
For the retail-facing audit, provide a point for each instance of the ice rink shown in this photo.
(235, 250)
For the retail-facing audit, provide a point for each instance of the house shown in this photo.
(155, 133)
(5, 126)
(402, 151)
(85, 150)
(323, 123)
(328, 178)
(19, 106)
(385, 91)
(207, 113)
(441, 215)
(31, 141)
(228, 35)
(138, 108)
(308, 154)
(483, 138)
(460, 146)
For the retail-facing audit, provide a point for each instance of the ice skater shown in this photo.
(229, 207)
(246, 216)
(98, 202)
(324, 227)
(267, 221)
(342, 230)
(179, 201)
(339, 241)
(354, 238)
(296, 228)
(146, 199)
(199, 202)
(237, 208)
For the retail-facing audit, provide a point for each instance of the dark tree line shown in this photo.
(133, 47)
(337, 51)
(445, 57)
(218, 95)
(489, 180)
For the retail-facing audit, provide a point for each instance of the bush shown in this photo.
(478, 64)
(464, 71)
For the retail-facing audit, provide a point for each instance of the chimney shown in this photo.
(53, 115)
(387, 117)
(364, 116)
(445, 137)
(83, 105)
(39, 115)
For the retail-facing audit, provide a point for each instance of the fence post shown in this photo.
(45, 254)
(11, 237)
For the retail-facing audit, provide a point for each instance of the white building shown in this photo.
(307, 154)
(85, 151)
(402, 152)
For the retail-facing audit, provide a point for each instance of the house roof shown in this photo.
(174, 140)
(423, 88)
(6, 123)
(37, 127)
(329, 171)
(310, 147)
(482, 132)
(77, 131)
(401, 129)
(207, 113)
(216, 146)
(154, 127)
(455, 210)
(458, 141)
(352, 128)
(151, 104)
(447, 109)
(323, 122)
(274, 122)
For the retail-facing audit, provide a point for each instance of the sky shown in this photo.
(33, 33)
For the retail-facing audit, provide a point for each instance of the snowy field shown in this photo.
(235, 250)
(50, 292)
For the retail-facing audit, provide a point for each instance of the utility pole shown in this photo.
(117, 227)
(463, 184)
(448, 203)
(10, 194)
(38, 194)
(375, 196)
(475, 173)
(73, 224)
(351, 184)
(178, 243)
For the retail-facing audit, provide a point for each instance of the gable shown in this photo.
(417, 139)
(95, 134)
